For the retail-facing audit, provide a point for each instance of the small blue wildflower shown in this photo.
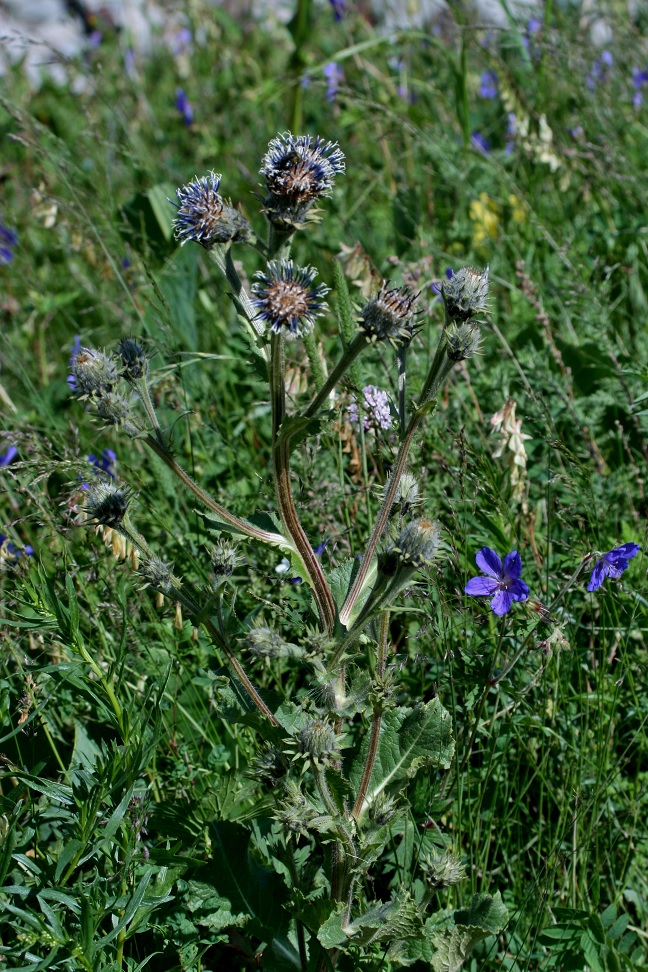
(8, 240)
(480, 143)
(377, 414)
(612, 564)
(8, 456)
(11, 552)
(183, 105)
(339, 9)
(106, 463)
(334, 77)
(639, 80)
(129, 62)
(76, 347)
(182, 42)
(95, 38)
(599, 71)
(286, 299)
(488, 85)
(502, 580)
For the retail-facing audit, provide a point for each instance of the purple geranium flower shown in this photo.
(639, 79)
(502, 581)
(612, 564)
(11, 551)
(480, 143)
(338, 8)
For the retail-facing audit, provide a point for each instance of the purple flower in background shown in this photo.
(377, 414)
(480, 143)
(436, 284)
(599, 71)
(612, 564)
(11, 552)
(8, 456)
(488, 85)
(639, 79)
(334, 77)
(105, 463)
(129, 62)
(182, 42)
(339, 8)
(502, 581)
(8, 240)
(95, 38)
(183, 105)
(318, 551)
(533, 27)
(76, 347)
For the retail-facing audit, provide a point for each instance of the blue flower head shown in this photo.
(8, 456)
(8, 240)
(286, 299)
(612, 564)
(488, 85)
(502, 581)
(184, 106)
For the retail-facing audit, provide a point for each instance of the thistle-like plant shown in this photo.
(335, 765)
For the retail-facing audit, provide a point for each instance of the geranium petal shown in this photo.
(617, 568)
(501, 603)
(480, 586)
(488, 562)
(513, 564)
(518, 590)
(599, 574)
(625, 552)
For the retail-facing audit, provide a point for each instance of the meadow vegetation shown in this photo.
(155, 812)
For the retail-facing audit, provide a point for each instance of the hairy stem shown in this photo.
(285, 502)
(263, 536)
(238, 668)
(374, 739)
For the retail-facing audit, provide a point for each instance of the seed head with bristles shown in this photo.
(106, 504)
(204, 217)
(390, 315)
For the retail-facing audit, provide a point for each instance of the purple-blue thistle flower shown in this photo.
(488, 85)
(184, 106)
(612, 564)
(298, 170)
(204, 217)
(8, 240)
(502, 581)
(377, 414)
(286, 299)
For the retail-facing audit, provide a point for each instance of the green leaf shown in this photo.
(251, 889)
(409, 740)
(73, 607)
(158, 197)
(486, 916)
(383, 921)
(340, 581)
(296, 428)
(260, 521)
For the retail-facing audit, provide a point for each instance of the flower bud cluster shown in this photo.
(94, 376)
(316, 744)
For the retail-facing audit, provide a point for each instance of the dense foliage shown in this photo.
(151, 812)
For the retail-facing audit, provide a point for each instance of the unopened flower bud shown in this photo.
(407, 497)
(134, 359)
(204, 216)
(106, 504)
(415, 547)
(268, 643)
(157, 574)
(383, 809)
(445, 870)
(224, 558)
(94, 373)
(316, 743)
(390, 316)
(115, 409)
(269, 766)
(465, 294)
(462, 341)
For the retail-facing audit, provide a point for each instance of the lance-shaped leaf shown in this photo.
(262, 527)
(341, 580)
(409, 740)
